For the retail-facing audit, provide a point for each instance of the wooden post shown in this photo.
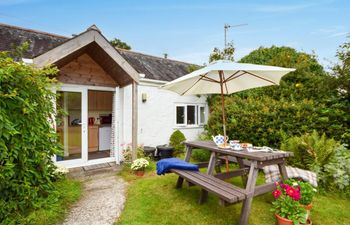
(250, 188)
(188, 153)
(283, 170)
(211, 166)
(134, 120)
(242, 166)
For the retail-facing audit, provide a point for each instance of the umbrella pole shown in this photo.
(221, 73)
(223, 101)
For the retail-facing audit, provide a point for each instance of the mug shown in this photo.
(235, 145)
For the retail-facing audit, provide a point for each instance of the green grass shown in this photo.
(153, 199)
(56, 206)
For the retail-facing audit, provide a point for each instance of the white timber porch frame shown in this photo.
(80, 43)
(83, 89)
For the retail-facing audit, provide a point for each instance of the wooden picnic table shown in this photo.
(249, 165)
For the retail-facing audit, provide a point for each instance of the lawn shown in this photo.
(56, 206)
(153, 199)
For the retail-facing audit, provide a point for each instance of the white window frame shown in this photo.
(197, 118)
(185, 115)
(199, 115)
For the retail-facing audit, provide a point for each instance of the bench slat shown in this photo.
(229, 197)
(224, 190)
(221, 184)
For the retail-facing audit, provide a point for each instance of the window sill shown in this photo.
(189, 127)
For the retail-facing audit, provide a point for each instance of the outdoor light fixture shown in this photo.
(144, 97)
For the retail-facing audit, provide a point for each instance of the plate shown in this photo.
(224, 147)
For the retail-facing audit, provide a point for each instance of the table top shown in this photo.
(258, 156)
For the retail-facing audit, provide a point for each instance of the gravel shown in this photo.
(101, 203)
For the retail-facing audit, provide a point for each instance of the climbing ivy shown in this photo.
(28, 140)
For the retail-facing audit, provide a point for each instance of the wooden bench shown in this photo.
(227, 193)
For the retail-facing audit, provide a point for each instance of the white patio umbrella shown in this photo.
(226, 77)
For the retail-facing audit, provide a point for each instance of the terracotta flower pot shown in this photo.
(139, 173)
(284, 221)
(308, 209)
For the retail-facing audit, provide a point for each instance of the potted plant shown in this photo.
(286, 205)
(139, 165)
(307, 193)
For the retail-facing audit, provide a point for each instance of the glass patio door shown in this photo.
(71, 125)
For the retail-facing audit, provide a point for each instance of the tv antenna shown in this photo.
(227, 26)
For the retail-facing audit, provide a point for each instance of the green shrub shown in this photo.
(336, 174)
(28, 140)
(311, 151)
(176, 139)
(53, 208)
(200, 155)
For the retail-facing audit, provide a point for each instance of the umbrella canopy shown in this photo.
(235, 77)
(226, 77)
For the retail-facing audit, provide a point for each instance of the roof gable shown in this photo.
(96, 45)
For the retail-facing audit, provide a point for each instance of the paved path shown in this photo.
(101, 203)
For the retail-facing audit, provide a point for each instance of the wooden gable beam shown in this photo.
(75, 44)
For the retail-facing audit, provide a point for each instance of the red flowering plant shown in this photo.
(286, 203)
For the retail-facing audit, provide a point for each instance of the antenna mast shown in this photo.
(227, 26)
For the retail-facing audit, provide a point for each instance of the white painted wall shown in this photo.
(156, 117)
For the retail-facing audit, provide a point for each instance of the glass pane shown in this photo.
(69, 124)
(202, 115)
(180, 115)
(191, 115)
(100, 105)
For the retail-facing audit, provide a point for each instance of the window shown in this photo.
(201, 114)
(190, 115)
(180, 114)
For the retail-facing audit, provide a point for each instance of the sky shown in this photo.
(188, 30)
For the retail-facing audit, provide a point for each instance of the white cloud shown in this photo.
(338, 34)
(331, 32)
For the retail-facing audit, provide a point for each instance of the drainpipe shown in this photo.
(134, 120)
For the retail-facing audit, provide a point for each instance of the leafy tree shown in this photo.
(28, 140)
(227, 53)
(342, 72)
(117, 43)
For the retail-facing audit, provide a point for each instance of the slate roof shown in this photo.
(39, 42)
(153, 67)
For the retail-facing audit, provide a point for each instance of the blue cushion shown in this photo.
(164, 165)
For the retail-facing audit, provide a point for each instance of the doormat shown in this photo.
(97, 166)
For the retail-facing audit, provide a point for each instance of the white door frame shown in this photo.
(83, 89)
(84, 144)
